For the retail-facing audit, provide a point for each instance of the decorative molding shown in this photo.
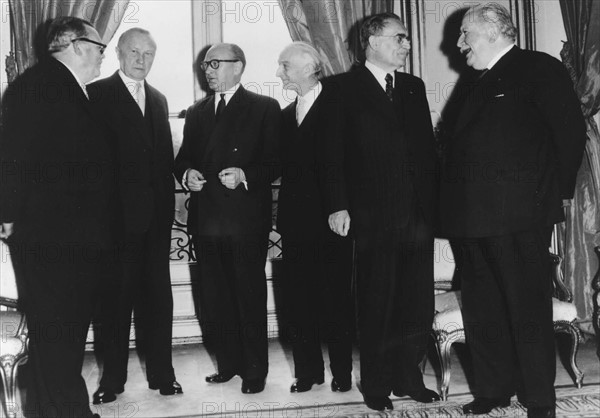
(207, 29)
(411, 13)
(523, 12)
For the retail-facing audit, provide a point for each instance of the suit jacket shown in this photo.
(385, 153)
(301, 211)
(145, 150)
(246, 137)
(57, 162)
(515, 150)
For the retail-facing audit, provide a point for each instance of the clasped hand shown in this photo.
(230, 177)
(339, 222)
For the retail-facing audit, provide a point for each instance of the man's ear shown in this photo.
(308, 69)
(238, 67)
(77, 48)
(493, 33)
(374, 42)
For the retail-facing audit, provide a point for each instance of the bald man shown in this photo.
(317, 262)
(227, 161)
(138, 115)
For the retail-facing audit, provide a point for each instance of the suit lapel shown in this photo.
(128, 108)
(207, 122)
(481, 90)
(155, 107)
(373, 93)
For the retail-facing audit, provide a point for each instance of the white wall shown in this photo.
(550, 29)
(4, 42)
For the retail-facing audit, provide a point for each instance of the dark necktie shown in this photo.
(220, 107)
(389, 86)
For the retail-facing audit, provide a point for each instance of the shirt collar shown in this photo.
(228, 94)
(311, 95)
(130, 83)
(500, 55)
(379, 73)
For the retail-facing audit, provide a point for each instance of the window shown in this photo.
(170, 24)
(259, 28)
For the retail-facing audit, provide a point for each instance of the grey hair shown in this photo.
(131, 31)
(498, 16)
(373, 25)
(309, 50)
(63, 29)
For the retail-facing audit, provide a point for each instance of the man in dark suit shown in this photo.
(317, 263)
(227, 160)
(139, 117)
(385, 187)
(512, 159)
(57, 210)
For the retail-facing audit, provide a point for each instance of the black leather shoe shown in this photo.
(341, 385)
(541, 412)
(481, 406)
(106, 395)
(304, 384)
(253, 385)
(219, 377)
(424, 395)
(378, 403)
(166, 389)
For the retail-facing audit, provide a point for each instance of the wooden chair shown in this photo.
(13, 333)
(448, 324)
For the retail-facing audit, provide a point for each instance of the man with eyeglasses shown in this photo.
(57, 211)
(381, 190)
(227, 161)
(139, 117)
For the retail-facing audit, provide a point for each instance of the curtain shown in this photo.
(580, 233)
(31, 19)
(332, 27)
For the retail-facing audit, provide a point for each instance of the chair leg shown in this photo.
(443, 345)
(8, 370)
(576, 338)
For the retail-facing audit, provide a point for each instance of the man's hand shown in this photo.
(339, 222)
(232, 177)
(195, 180)
(6, 230)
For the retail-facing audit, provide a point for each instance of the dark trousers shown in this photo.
(395, 307)
(59, 284)
(507, 311)
(318, 303)
(144, 284)
(233, 299)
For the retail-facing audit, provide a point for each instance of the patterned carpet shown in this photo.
(571, 402)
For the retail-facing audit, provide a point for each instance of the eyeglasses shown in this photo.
(100, 44)
(214, 64)
(400, 37)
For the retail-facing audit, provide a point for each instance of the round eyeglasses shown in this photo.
(214, 64)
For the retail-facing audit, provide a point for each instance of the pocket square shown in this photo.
(499, 95)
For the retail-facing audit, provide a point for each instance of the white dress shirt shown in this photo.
(137, 90)
(228, 94)
(380, 74)
(305, 102)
